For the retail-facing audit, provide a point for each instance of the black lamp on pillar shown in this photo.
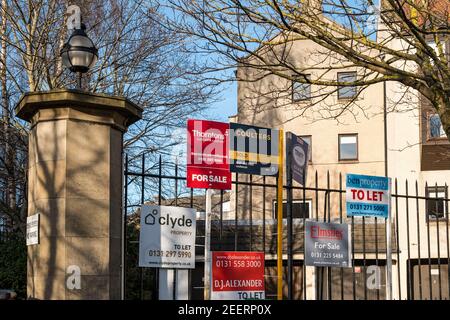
(79, 53)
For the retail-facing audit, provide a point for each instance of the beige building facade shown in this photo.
(385, 130)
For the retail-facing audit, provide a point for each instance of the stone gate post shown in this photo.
(75, 184)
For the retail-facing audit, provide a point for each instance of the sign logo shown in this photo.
(150, 218)
(318, 232)
(299, 156)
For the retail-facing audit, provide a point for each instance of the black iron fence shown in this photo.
(244, 219)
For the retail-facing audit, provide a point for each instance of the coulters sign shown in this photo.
(253, 150)
(368, 195)
(327, 245)
(207, 155)
(237, 275)
(167, 237)
(33, 229)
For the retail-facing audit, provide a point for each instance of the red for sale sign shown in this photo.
(237, 275)
(208, 155)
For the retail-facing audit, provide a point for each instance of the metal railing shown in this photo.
(243, 220)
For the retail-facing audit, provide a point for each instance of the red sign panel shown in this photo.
(237, 275)
(208, 155)
(206, 178)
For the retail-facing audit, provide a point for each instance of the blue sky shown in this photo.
(227, 106)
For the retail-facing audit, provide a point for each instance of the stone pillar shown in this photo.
(75, 184)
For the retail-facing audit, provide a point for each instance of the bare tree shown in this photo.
(398, 40)
(13, 143)
(138, 59)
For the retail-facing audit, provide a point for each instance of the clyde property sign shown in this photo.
(368, 195)
(167, 237)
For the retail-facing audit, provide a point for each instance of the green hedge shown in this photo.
(13, 265)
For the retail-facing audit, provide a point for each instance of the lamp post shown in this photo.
(79, 53)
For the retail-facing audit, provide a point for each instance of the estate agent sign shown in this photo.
(237, 275)
(368, 196)
(167, 237)
(327, 245)
(207, 155)
(253, 150)
(298, 155)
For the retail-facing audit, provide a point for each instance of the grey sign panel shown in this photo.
(297, 156)
(327, 245)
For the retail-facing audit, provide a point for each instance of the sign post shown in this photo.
(297, 156)
(289, 213)
(237, 275)
(389, 258)
(207, 274)
(370, 196)
(280, 218)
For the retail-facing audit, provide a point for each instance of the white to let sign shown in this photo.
(167, 237)
(33, 229)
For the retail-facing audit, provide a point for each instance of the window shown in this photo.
(301, 91)
(347, 92)
(300, 210)
(435, 129)
(308, 140)
(348, 147)
(436, 205)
